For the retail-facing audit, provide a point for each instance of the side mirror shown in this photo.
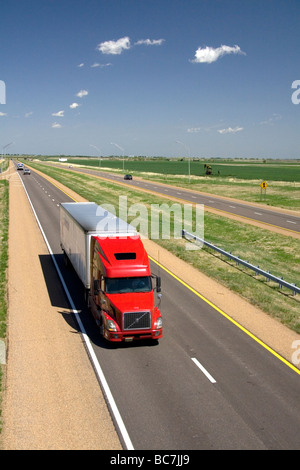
(158, 284)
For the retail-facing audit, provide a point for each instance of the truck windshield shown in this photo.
(124, 285)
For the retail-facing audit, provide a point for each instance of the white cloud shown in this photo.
(28, 114)
(3, 114)
(114, 47)
(230, 130)
(209, 54)
(82, 93)
(272, 119)
(58, 114)
(80, 65)
(55, 125)
(150, 42)
(117, 47)
(74, 105)
(96, 64)
(203, 129)
(194, 129)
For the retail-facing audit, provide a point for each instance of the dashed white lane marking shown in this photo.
(205, 372)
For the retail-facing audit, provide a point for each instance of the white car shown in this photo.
(26, 171)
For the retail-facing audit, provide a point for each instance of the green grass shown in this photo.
(244, 170)
(3, 164)
(240, 180)
(272, 252)
(3, 268)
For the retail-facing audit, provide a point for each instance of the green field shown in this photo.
(239, 180)
(246, 170)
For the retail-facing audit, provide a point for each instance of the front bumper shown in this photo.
(119, 336)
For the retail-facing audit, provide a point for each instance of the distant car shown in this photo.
(128, 177)
(26, 171)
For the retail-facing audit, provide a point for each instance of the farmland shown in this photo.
(238, 179)
(273, 170)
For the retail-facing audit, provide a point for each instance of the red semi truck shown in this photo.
(111, 261)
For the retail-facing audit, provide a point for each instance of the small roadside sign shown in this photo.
(263, 188)
(263, 185)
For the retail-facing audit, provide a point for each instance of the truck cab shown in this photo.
(121, 292)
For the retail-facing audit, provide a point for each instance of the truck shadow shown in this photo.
(58, 299)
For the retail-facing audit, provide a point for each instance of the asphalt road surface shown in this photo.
(206, 385)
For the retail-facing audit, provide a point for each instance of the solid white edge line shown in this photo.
(97, 367)
(210, 377)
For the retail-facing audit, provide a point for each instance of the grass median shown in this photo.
(278, 254)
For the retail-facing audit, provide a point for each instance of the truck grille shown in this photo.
(136, 320)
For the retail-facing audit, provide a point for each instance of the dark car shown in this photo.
(128, 177)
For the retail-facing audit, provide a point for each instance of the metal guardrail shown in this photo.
(238, 260)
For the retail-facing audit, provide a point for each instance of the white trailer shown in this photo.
(79, 221)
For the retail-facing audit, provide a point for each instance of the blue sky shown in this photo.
(201, 78)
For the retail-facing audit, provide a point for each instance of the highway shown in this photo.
(259, 213)
(206, 385)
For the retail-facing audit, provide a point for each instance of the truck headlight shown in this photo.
(159, 323)
(110, 325)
